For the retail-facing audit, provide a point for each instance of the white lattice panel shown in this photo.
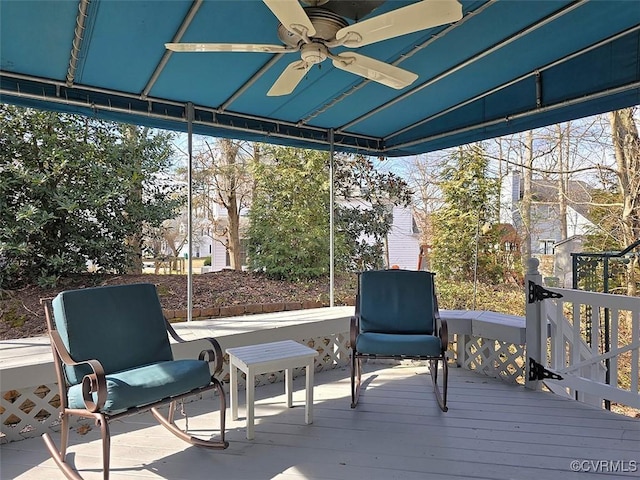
(28, 413)
(332, 351)
(31, 412)
(494, 358)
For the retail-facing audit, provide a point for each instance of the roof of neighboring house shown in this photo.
(425, 225)
(579, 193)
(571, 239)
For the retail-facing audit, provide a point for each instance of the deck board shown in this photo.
(493, 430)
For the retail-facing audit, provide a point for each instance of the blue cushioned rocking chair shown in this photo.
(113, 358)
(397, 318)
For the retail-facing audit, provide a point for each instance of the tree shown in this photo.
(423, 174)
(626, 143)
(606, 214)
(365, 213)
(222, 176)
(289, 221)
(70, 192)
(289, 231)
(568, 152)
(469, 205)
(140, 156)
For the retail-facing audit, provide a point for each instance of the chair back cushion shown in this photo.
(121, 326)
(397, 301)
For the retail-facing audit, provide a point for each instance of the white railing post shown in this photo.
(536, 325)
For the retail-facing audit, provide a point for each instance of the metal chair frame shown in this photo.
(95, 382)
(440, 331)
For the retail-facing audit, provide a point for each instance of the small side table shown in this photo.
(270, 357)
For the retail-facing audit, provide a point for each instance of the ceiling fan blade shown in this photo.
(227, 47)
(412, 18)
(292, 16)
(375, 70)
(289, 79)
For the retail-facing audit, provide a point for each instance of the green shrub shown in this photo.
(504, 298)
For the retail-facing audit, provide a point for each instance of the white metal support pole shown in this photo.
(331, 219)
(190, 115)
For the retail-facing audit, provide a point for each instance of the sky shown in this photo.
(590, 148)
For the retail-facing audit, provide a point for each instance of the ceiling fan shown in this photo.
(315, 29)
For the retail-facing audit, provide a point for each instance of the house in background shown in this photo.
(545, 228)
(403, 240)
(209, 238)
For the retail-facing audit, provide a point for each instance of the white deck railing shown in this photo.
(29, 404)
(490, 343)
(583, 367)
(487, 342)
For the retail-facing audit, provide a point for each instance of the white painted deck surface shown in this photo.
(493, 430)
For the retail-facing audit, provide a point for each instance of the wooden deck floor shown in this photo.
(492, 431)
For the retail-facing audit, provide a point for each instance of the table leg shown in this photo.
(233, 390)
(250, 380)
(308, 410)
(288, 386)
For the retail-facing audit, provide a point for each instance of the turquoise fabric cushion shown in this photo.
(121, 326)
(397, 301)
(144, 385)
(385, 344)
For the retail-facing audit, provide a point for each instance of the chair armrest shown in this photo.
(443, 333)
(92, 383)
(354, 330)
(211, 355)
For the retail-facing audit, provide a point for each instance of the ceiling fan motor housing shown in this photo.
(324, 21)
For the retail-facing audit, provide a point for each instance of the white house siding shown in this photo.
(509, 198)
(200, 246)
(546, 219)
(218, 256)
(218, 251)
(404, 245)
(205, 245)
(577, 224)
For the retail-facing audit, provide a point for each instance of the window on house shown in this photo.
(414, 225)
(546, 246)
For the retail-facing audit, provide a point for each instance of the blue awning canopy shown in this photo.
(505, 66)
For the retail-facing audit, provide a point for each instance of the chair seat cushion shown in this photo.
(147, 384)
(386, 344)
